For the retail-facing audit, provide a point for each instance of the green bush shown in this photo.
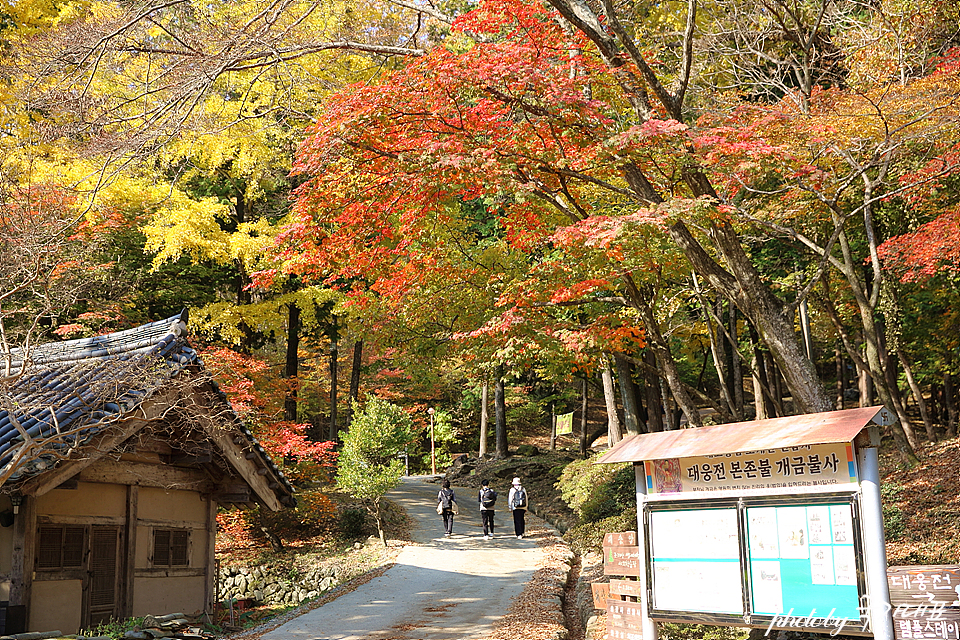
(598, 491)
(112, 629)
(589, 536)
(684, 631)
(352, 521)
(894, 520)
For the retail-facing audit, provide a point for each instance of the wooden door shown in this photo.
(102, 596)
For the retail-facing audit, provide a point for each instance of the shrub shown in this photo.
(894, 520)
(589, 536)
(684, 631)
(598, 491)
(352, 521)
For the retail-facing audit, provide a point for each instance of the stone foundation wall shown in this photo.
(263, 585)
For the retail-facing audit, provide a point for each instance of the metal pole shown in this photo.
(433, 453)
(649, 626)
(874, 547)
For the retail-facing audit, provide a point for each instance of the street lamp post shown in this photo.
(433, 451)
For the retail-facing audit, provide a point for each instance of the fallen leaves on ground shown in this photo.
(536, 613)
(926, 500)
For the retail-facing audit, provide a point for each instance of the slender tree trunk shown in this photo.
(655, 409)
(291, 368)
(950, 404)
(552, 419)
(334, 357)
(355, 367)
(776, 387)
(736, 364)
(744, 285)
(640, 300)
(918, 396)
(671, 421)
(500, 414)
(484, 416)
(716, 352)
(841, 377)
(628, 393)
(761, 387)
(614, 435)
(584, 402)
(865, 382)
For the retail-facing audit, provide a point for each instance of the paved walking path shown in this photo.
(441, 588)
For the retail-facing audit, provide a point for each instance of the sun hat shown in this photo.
(516, 481)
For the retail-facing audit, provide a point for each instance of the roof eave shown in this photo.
(740, 437)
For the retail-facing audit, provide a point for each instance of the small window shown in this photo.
(170, 548)
(60, 547)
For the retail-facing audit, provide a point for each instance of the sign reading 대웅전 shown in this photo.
(926, 602)
(787, 469)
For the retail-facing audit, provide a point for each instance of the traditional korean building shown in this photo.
(115, 453)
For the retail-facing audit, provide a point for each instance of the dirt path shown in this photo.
(440, 588)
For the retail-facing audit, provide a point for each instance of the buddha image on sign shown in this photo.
(667, 473)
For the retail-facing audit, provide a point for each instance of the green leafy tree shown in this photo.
(369, 462)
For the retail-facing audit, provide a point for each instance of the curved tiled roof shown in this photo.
(72, 390)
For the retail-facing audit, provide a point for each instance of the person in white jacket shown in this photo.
(517, 501)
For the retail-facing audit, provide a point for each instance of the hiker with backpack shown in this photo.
(517, 501)
(447, 507)
(488, 500)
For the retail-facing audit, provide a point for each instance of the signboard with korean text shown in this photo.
(565, 424)
(625, 618)
(695, 560)
(820, 465)
(601, 592)
(926, 602)
(630, 588)
(621, 561)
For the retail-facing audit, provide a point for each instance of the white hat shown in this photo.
(516, 481)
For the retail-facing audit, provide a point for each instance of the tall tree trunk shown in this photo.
(355, 367)
(484, 416)
(584, 402)
(761, 386)
(334, 357)
(950, 403)
(671, 420)
(500, 414)
(865, 383)
(918, 396)
(291, 368)
(628, 393)
(841, 375)
(736, 364)
(776, 387)
(614, 434)
(552, 423)
(641, 301)
(655, 410)
(717, 353)
(744, 285)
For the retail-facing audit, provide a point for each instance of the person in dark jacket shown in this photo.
(447, 503)
(487, 499)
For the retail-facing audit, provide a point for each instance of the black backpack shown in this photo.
(488, 498)
(520, 499)
(446, 498)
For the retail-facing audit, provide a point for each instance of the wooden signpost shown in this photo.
(621, 557)
(926, 602)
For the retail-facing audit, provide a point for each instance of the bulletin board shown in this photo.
(695, 560)
(753, 559)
